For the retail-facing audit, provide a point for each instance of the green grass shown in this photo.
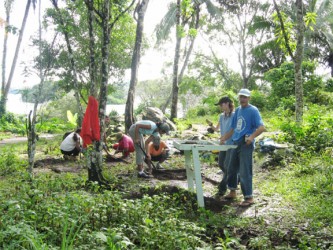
(58, 211)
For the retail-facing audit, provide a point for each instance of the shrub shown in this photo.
(316, 134)
(9, 122)
(9, 162)
(259, 100)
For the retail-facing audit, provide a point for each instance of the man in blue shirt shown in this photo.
(246, 126)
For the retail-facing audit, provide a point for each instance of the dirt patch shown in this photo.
(57, 165)
(211, 203)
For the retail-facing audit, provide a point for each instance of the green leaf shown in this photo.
(71, 118)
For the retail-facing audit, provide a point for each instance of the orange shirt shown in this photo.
(153, 152)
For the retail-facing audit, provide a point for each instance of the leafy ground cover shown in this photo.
(57, 209)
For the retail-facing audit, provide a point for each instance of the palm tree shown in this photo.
(140, 10)
(298, 55)
(319, 40)
(6, 85)
(185, 16)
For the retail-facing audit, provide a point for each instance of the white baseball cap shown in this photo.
(244, 92)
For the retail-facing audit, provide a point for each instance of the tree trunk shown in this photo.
(330, 61)
(300, 28)
(32, 136)
(141, 11)
(5, 42)
(92, 64)
(4, 93)
(175, 86)
(70, 51)
(187, 58)
(95, 156)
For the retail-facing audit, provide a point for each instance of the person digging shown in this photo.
(124, 145)
(158, 151)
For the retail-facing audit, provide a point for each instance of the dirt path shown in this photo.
(19, 139)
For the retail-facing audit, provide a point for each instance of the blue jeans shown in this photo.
(224, 157)
(241, 163)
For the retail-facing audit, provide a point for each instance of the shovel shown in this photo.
(144, 152)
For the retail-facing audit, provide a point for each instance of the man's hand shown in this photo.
(249, 140)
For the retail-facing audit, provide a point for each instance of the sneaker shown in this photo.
(143, 175)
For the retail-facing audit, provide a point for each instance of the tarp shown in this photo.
(90, 130)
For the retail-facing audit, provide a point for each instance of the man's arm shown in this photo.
(256, 133)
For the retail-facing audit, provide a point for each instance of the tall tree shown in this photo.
(6, 85)
(296, 56)
(107, 20)
(8, 8)
(140, 11)
(185, 16)
(175, 82)
(43, 67)
(319, 39)
(236, 25)
(71, 59)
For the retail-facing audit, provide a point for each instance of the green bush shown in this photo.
(282, 81)
(9, 122)
(9, 162)
(316, 134)
(259, 100)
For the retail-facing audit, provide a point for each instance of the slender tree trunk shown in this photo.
(4, 93)
(43, 71)
(32, 137)
(330, 62)
(300, 28)
(92, 64)
(5, 42)
(141, 11)
(95, 156)
(73, 66)
(187, 58)
(175, 86)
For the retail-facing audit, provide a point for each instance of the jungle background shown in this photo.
(280, 50)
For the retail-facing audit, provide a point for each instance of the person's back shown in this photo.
(127, 143)
(71, 145)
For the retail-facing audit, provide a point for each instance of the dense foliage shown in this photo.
(60, 211)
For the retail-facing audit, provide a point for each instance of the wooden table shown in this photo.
(192, 164)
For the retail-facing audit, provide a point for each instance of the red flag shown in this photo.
(90, 130)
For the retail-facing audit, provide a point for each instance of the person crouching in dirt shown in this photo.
(125, 145)
(70, 147)
(158, 151)
(137, 131)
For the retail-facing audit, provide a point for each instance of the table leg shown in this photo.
(197, 174)
(189, 170)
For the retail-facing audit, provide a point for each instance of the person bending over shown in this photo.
(125, 145)
(158, 152)
(70, 147)
(137, 131)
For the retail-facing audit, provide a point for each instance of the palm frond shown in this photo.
(163, 29)
(212, 9)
